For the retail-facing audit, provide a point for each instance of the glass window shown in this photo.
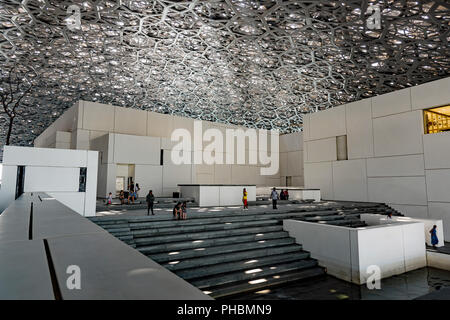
(437, 119)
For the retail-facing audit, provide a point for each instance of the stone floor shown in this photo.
(251, 209)
(445, 249)
(411, 285)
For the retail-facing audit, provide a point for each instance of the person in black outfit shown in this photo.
(131, 186)
(150, 200)
(177, 211)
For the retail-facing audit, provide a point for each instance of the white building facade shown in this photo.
(379, 150)
(137, 144)
(69, 176)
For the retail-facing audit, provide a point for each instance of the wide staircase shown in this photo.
(226, 253)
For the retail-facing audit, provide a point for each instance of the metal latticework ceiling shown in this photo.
(254, 63)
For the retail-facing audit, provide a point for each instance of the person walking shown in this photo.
(244, 199)
(274, 197)
(434, 238)
(150, 200)
(286, 194)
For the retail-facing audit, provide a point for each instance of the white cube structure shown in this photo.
(69, 176)
(212, 195)
(355, 254)
(390, 156)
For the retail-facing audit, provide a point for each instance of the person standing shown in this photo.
(131, 186)
(434, 238)
(274, 197)
(244, 199)
(109, 199)
(286, 194)
(137, 190)
(184, 210)
(150, 200)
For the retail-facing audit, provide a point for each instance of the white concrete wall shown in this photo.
(348, 252)
(390, 159)
(131, 136)
(54, 171)
(218, 195)
(291, 159)
(376, 219)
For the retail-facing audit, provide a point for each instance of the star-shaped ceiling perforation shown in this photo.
(255, 63)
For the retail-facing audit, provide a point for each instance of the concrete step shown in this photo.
(229, 290)
(201, 228)
(205, 235)
(245, 264)
(201, 221)
(218, 250)
(253, 273)
(232, 256)
(184, 245)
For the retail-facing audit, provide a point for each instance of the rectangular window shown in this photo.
(437, 119)
(83, 177)
(289, 181)
(20, 181)
(161, 158)
(341, 147)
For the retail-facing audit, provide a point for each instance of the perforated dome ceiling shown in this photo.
(255, 63)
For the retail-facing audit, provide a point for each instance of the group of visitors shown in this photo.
(273, 196)
(180, 211)
(284, 195)
(127, 197)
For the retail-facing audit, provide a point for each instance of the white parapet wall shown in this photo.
(348, 253)
(438, 260)
(209, 195)
(295, 193)
(53, 171)
(376, 219)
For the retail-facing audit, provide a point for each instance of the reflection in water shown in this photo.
(402, 287)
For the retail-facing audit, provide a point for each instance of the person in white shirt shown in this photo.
(274, 197)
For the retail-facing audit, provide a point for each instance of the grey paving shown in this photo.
(38, 246)
(24, 272)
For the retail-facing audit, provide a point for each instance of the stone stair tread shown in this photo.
(184, 245)
(232, 256)
(206, 235)
(183, 254)
(199, 228)
(253, 273)
(243, 287)
(193, 273)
